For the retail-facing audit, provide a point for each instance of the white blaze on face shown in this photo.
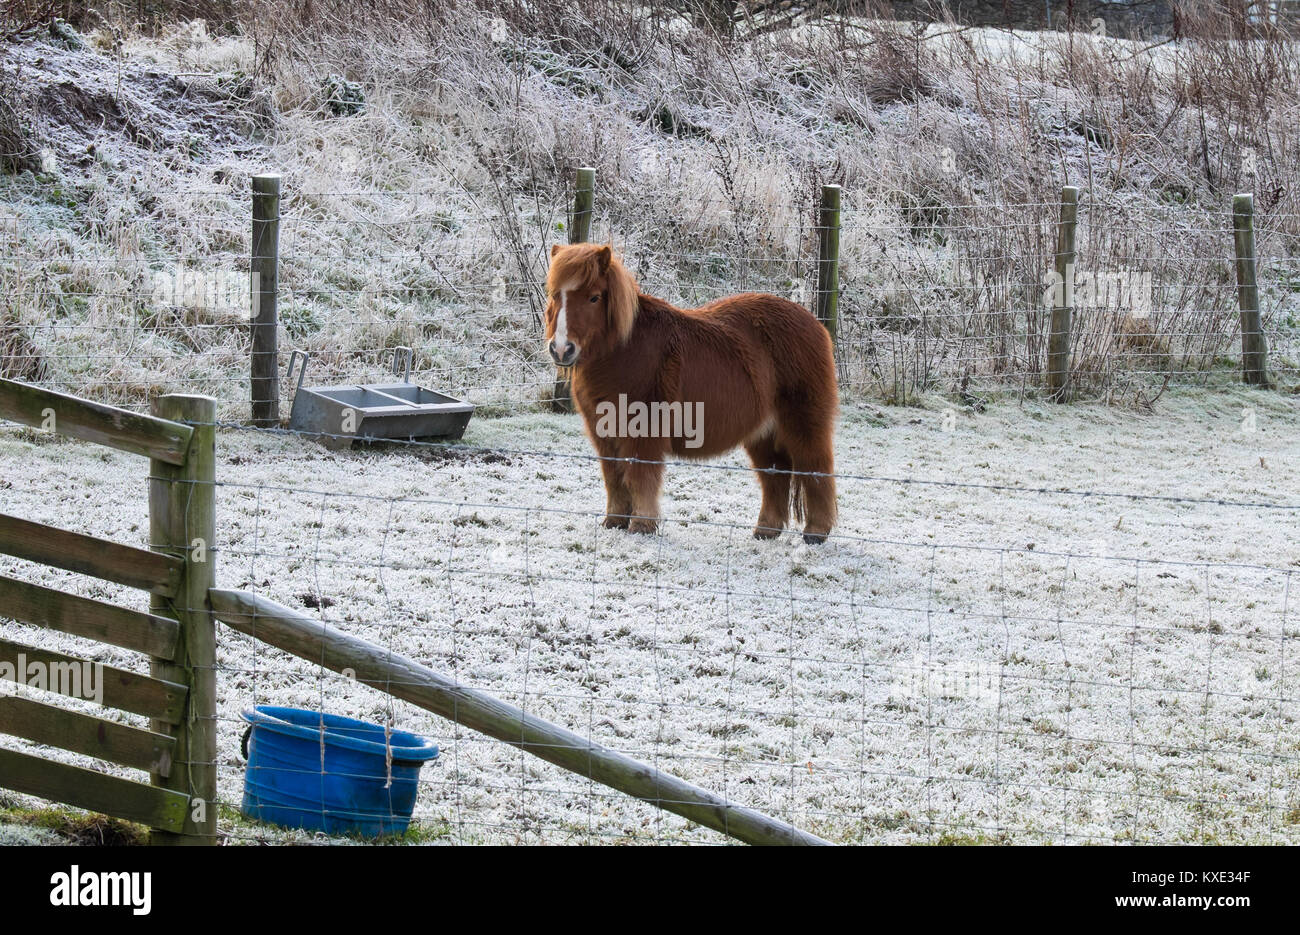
(561, 325)
(562, 320)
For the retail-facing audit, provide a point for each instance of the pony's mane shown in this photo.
(583, 263)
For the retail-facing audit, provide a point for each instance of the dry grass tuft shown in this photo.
(19, 148)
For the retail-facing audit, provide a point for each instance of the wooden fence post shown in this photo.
(182, 522)
(1254, 347)
(264, 291)
(1058, 341)
(584, 198)
(827, 305)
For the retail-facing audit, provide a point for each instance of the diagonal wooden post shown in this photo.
(182, 522)
(584, 197)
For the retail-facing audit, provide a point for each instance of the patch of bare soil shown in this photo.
(87, 104)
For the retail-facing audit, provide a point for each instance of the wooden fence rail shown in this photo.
(98, 792)
(82, 733)
(94, 422)
(86, 555)
(83, 616)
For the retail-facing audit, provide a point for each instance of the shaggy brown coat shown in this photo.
(761, 367)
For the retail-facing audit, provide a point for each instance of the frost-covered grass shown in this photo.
(1102, 669)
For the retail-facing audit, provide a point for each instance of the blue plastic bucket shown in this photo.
(324, 772)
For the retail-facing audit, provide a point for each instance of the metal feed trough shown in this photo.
(339, 415)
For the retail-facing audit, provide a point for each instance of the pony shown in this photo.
(652, 380)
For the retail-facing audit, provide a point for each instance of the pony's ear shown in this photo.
(555, 248)
(603, 256)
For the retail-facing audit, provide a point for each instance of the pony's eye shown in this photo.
(595, 298)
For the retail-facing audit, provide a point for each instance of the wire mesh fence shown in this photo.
(964, 301)
(933, 296)
(923, 693)
(881, 688)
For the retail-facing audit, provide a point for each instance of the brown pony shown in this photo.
(651, 379)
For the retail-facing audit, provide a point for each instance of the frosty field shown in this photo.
(998, 643)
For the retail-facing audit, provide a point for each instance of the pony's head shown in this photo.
(591, 302)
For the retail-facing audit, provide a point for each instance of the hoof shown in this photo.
(815, 538)
(643, 526)
(616, 522)
(766, 532)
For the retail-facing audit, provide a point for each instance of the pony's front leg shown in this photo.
(644, 477)
(618, 500)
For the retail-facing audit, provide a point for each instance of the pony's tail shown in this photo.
(800, 487)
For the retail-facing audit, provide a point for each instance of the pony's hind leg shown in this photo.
(818, 493)
(771, 466)
(812, 454)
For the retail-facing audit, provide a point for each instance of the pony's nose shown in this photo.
(565, 359)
